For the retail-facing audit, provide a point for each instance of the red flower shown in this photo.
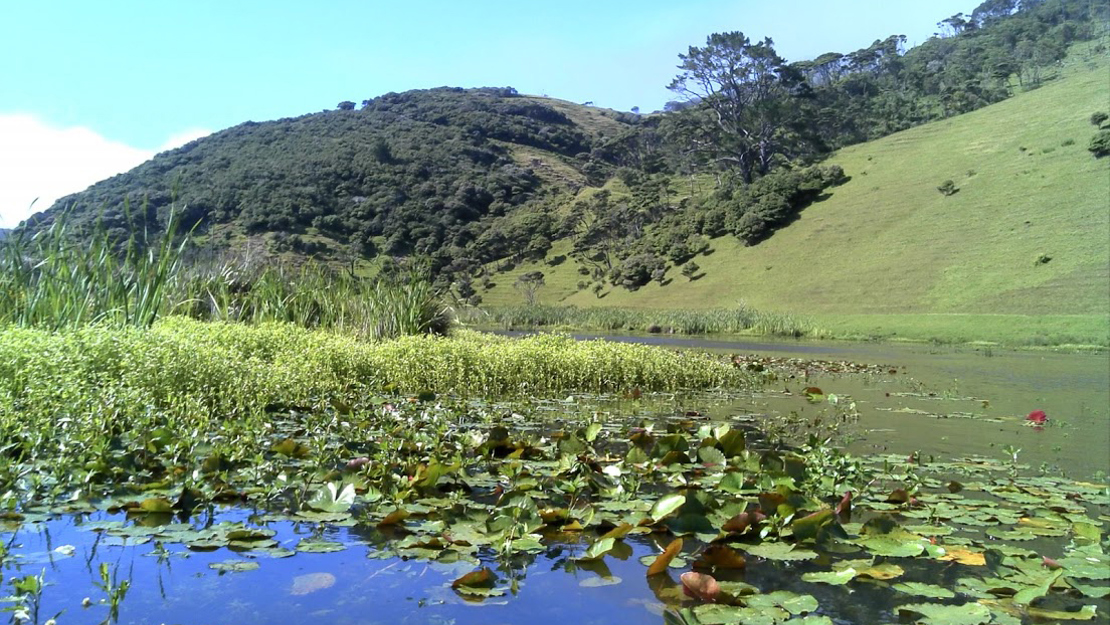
(1037, 416)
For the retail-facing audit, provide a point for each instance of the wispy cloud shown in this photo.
(40, 163)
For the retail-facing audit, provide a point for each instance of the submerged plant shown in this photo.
(115, 589)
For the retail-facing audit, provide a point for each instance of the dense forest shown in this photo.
(465, 177)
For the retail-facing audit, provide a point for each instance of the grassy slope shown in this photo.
(887, 254)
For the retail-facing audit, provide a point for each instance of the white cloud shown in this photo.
(44, 162)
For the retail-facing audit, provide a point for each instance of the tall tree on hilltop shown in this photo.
(743, 90)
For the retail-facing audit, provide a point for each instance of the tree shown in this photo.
(690, 270)
(743, 90)
(346, 105)
(528, 284)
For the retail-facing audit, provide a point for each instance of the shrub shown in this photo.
(1100, 144)
(1098, 117)
(637, 270)
(948, 188)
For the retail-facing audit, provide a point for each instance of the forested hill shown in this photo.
(464, 177)
(408, 173)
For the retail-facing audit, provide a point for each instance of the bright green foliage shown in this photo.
(182, 367)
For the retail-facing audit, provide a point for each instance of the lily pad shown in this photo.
(940, 614)
(234, 566)
(924, 590)
(779, 551)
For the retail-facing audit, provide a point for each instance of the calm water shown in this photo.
(935, 402)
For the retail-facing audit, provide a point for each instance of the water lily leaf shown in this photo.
(835, 578)
(732, 443)
(712, 457)
(234, 566)
(700, 586)
(311, 582)
(1095, 592)
(690, 523)
(619, 531)
(249, 534)
(810, 526)
(867, 568)
(732, 483)
(666, 505)
(319, 546)
(393, 518)
(719, 556)
(898, 544)
(939, 614)
(332, 499)
(291, 448)
(674, 457)
(898, 495)
(684, 616)
(664, 560)
(716, 614)
(742, 522)
(779, 551)
(924, 590)
(1088, 565)
(482, 578)
(1086, 613)
(321, 517)
(964, 556)
(273, 552)
(598, 581)
(793, 603)
(1040, 588)
(1086, 531)
(670, 443)
(156, 504)
(598, 549)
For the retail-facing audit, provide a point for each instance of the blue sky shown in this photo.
(94, 88)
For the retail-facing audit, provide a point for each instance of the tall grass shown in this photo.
(55, 278)
(739, 320)
(312, 296)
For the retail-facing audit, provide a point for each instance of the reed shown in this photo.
(738, 320)
(55, 278)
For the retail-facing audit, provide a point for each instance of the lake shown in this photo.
(910, 405)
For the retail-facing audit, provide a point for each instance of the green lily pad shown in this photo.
(940, 614)
(716, 614)
(234, 566)
(666, 505)
(791, 602)
(598, 581)
(835, 578)
(779, 551)
(319, 546)
(924, 590)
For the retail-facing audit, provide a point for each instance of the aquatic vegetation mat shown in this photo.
(510, 506)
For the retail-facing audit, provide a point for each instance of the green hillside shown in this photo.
(887, 254)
